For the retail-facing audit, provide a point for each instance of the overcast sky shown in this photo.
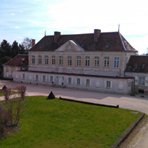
(30, 18)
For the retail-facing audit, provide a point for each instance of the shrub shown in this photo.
(11, 107)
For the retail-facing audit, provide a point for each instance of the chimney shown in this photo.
(97, 33)
(56, 36)
(33, 42)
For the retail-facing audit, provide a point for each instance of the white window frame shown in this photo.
(78, 82)
(108, 84)
(53, 60)
(87, 82)
(116, 62)
(46, 59)
(96, 61)
(69, 60)
(39, 59)
(51, 79)
(44, 78)
(87, 61)
(23, 76)
(106, 61)
(78, 61)
(33, 59)
(141, 80)
(60, 60)
(69, 81)
(36, 78)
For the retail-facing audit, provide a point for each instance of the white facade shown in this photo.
(9, 70)
(101, 84)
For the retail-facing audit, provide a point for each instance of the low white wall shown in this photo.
(117, 85)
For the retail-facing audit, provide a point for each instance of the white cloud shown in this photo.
(31, 18)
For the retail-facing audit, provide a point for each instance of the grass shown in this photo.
(63, 124)
(1, 94)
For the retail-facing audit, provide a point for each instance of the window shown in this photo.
(36, 77)
(108, 84)
(69, 61)
(116, 62)
(87, 61)
(96, 61)
(51, 78)
(33, 59)
(126, 60)
(53, 60)
(69, 80)
(39, 59)
(106, 61)
(78, 81)
(23, 76)
(78, 61)
(60, 60)
(141, 80)
(44, 78)
(87, 82)
(46, 59)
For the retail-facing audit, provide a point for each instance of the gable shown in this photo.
(70, 46)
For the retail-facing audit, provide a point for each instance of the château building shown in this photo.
(93, 61)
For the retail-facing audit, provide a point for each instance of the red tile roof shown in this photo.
(110, 41)
(18, 60)
(137, 64)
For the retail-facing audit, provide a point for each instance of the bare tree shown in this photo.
(27, 43)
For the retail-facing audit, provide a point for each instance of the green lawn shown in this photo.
(1, 94)
(63, 124)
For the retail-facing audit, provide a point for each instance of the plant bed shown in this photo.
(59, 123)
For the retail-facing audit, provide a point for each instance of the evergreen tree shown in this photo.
(5, 48)
(15, 48)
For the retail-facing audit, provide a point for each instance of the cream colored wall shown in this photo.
(9, 70)
(101, 70)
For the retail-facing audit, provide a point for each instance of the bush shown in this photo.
(10, 108)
